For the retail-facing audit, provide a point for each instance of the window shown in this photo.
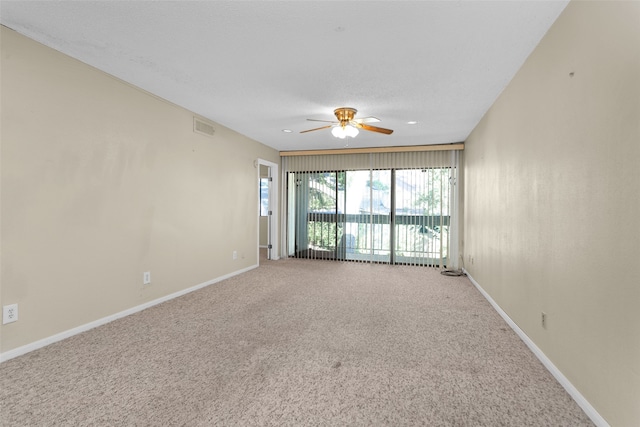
(264, 196)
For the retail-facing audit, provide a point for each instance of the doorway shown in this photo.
(267, 209)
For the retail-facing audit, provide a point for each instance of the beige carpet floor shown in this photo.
(295, 343)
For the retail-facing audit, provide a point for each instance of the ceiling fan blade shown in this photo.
(324, 121)
(370, 119)
(374, 129)
(311, 130)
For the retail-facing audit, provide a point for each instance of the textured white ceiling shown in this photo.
(258, 67)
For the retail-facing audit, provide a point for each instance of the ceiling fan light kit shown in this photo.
(348, 126)
(343, 132)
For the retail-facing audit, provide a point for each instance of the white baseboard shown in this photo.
(564, 382)
(71, 332)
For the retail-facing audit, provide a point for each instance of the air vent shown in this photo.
(202, 127)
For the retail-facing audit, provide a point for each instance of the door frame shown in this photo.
(273, 235)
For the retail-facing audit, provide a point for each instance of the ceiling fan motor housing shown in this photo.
(345, 115)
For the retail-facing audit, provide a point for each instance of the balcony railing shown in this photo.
(415, 239)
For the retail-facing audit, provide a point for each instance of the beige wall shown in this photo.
(101, 182)
(552, 202)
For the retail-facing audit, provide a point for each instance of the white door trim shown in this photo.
(273, 206)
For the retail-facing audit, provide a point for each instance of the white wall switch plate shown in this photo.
(9, 313)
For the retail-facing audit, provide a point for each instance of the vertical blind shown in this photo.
(397, 208)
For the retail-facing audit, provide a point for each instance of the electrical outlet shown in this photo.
(146, 277)
(9, 313)
(543, 319)
(235, 255)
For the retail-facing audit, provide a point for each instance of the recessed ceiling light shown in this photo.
(412, 122)
(287, 130)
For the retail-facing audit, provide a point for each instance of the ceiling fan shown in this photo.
(347, 125)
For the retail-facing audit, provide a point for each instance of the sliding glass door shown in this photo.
(341, 215)
(392, 215)
(367, 219)
(313, 198)
(421, 216)
(388, 216)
